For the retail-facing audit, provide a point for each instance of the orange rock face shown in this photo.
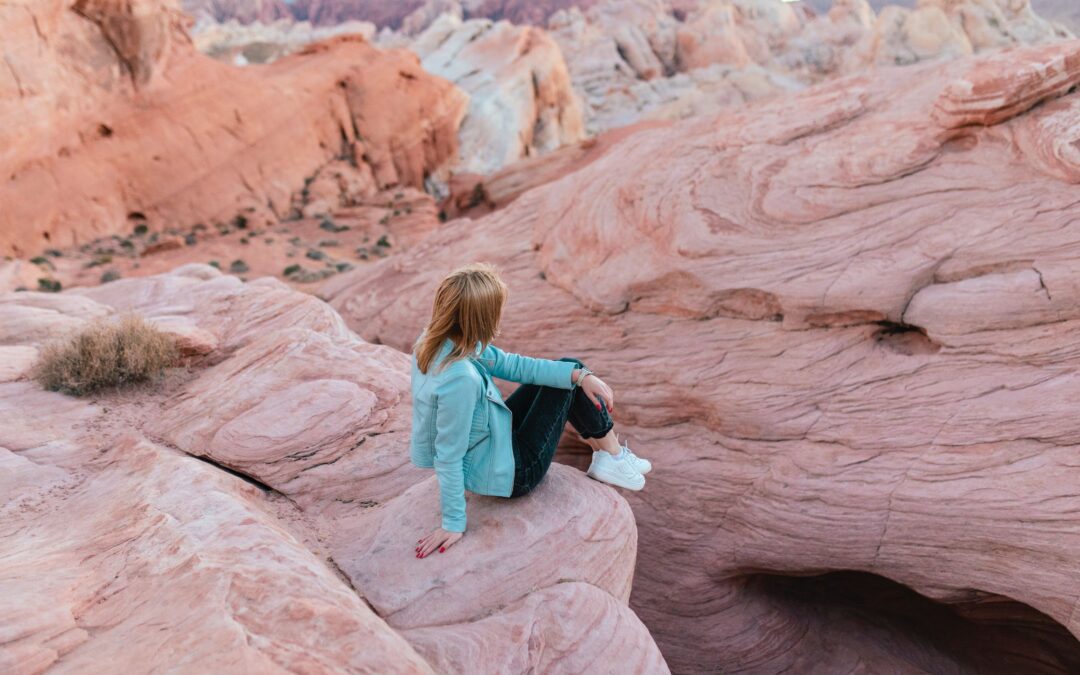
(153, 132)
(842, 354)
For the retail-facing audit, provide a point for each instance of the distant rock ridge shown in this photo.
(634, 60)
(521, 102)
(116, 121)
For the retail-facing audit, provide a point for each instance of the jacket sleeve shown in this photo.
(527, 370)
(455, 400)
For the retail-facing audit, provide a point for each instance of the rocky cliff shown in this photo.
(113, 120)
(256, 512)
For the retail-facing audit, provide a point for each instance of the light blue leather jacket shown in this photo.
(461, 426)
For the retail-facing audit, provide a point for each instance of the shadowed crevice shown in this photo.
(986, 634)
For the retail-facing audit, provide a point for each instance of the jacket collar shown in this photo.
(448, 345)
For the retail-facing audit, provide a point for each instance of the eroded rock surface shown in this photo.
(289, 548)
(841, 354)
(521, 101)
(113, 120)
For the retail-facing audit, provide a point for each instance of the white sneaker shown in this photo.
(618, 472)
(643, 465)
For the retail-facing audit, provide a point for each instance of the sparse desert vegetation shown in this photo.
(106, 353)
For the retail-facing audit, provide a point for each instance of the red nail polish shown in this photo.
(441, 549)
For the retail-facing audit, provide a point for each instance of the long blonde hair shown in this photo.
(467, 308)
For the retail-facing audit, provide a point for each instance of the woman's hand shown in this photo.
(439, 539)
(597, 390)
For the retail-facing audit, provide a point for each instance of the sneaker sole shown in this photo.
(615, 482)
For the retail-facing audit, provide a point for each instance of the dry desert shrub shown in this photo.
(106, 353)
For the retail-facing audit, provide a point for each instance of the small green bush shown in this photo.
(106, 353)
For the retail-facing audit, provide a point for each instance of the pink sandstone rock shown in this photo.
(146, 539)
(563, 507)
(571, 627)
(556, 610)
(842, 355)
(16, 361)
(307, 566)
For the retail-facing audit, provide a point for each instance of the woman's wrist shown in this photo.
(578, 376)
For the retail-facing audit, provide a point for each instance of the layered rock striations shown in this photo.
(114, 120)
(633, 60)
(843, 355)
(256, 511)
(521, 100)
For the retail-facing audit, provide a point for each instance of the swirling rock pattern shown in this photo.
(120, 547)
(520, 99)
(132, 554)
(841, 354)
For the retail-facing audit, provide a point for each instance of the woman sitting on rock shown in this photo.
(474, 440)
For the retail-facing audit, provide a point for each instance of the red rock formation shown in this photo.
(154, 132)
(844, 354)
(119, 548)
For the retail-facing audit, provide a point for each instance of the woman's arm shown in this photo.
(528, 370)
(454, 402)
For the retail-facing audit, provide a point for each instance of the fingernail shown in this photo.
(441, 549)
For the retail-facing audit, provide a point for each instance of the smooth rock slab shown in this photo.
(570, 528)
(158, 561)
(571, 627)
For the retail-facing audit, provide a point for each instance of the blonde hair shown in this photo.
(467, 307)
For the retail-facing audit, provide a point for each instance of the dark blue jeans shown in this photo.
(539, 416)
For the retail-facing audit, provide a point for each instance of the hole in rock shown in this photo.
(136, 215)
(887, 622)
(961, 143)
(905, 339)
(105, 130)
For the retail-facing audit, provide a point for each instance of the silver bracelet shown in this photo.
(585, 372)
